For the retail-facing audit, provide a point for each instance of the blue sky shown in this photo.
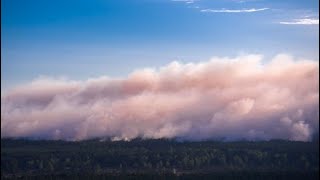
(82, 39)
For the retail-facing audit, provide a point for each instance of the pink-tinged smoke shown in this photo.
(229, 98)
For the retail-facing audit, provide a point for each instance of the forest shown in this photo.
(158, 159)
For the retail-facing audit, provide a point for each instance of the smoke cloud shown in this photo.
(224, 98)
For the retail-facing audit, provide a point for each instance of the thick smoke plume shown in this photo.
(224, 98)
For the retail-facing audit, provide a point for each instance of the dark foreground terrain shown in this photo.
(158, 159)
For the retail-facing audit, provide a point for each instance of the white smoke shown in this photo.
(230, 98)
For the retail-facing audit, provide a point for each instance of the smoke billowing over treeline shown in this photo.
(230, 98)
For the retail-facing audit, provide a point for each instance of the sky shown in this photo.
(86, 39)
(190, 69)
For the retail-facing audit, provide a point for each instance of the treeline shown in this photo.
(27, 158)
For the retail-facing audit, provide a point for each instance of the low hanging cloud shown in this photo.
(224, 98)
(303, 21)
(233, 10)
(185, 1)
